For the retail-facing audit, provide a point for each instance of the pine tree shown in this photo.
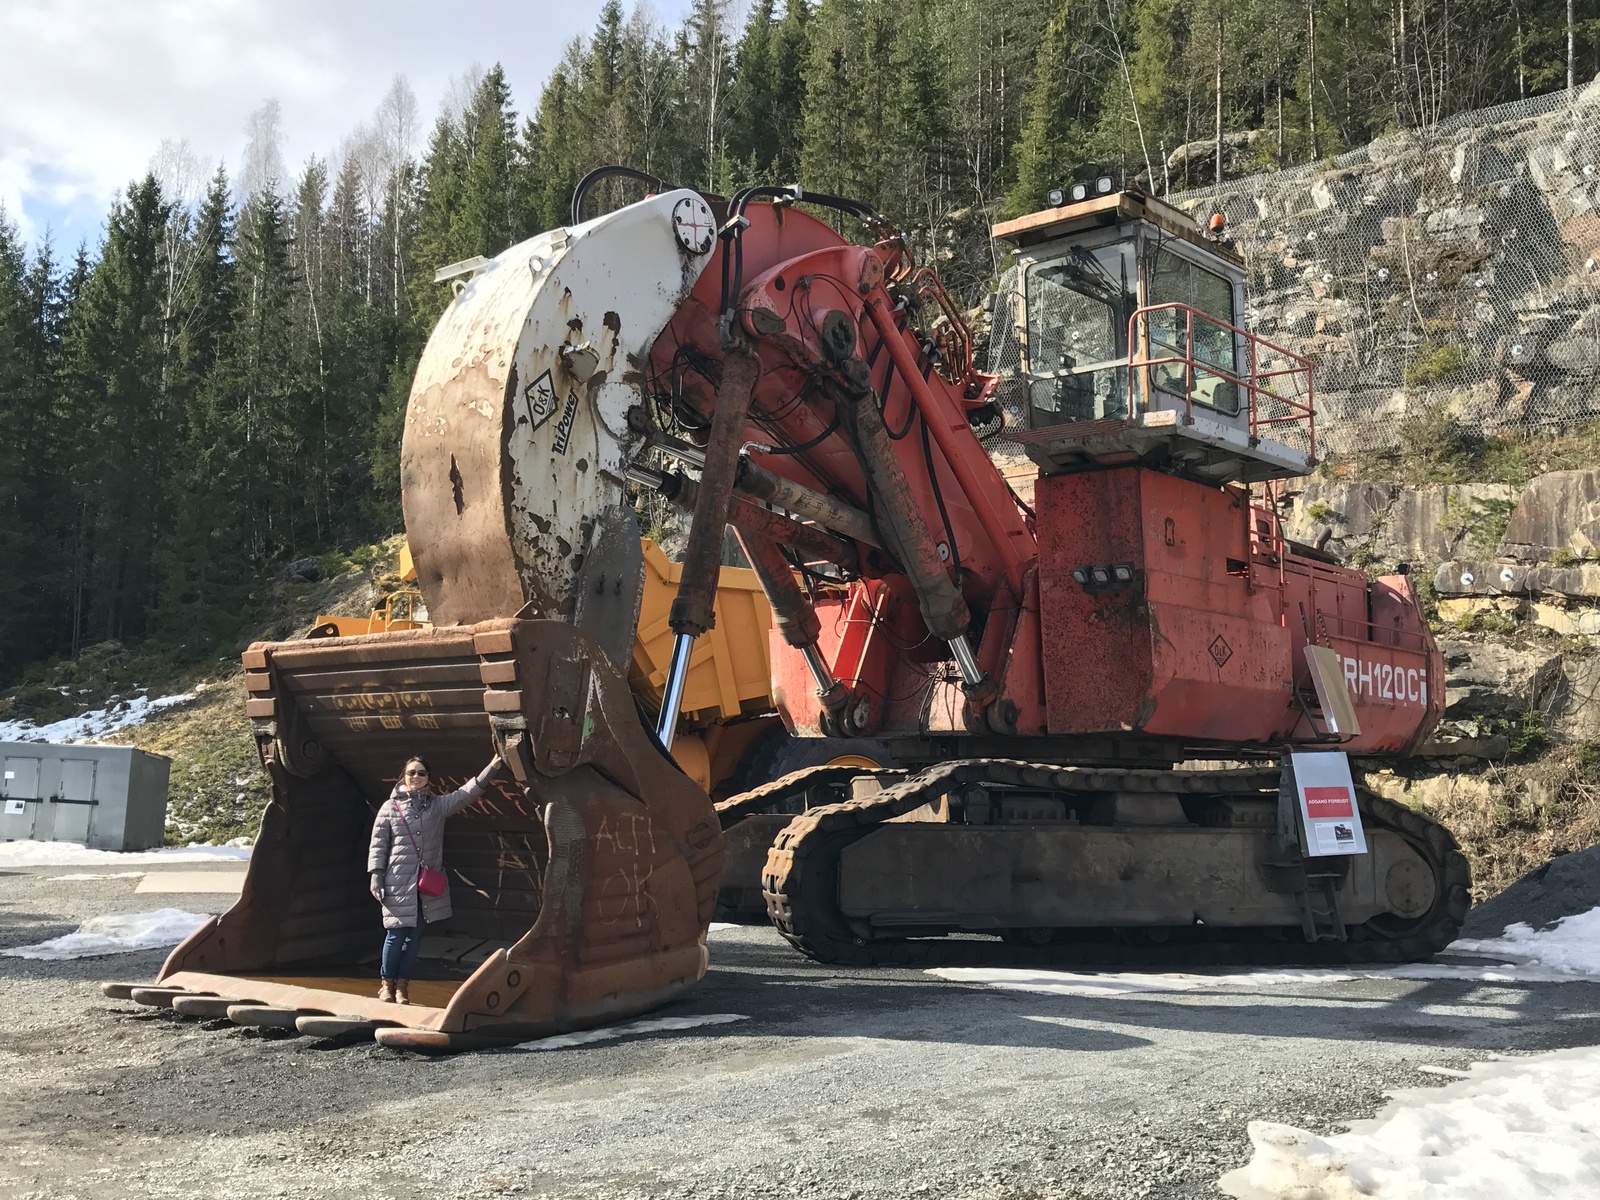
(489, 213)
(444, 168)
(111, 381)
(835, 156)
(27, 300)
(1062, 107)
(203, 562)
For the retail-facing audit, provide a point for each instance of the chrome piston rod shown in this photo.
(967, 661)
(672, 693)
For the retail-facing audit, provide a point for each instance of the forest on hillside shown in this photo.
(219, 385)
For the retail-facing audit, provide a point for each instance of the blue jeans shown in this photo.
(400, 949)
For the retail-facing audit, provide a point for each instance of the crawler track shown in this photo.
(800, 882)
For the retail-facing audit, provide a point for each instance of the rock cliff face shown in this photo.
(1516, 598)
(1455, 268)
(1514, 768)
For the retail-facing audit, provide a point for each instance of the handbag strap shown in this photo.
(400, 812)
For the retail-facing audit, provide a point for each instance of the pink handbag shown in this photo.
(429, 881)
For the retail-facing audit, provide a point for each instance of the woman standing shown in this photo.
(407, 840)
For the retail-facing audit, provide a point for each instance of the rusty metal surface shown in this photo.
(995, 877)
(1205, 640)
(693, 609)
(591, 866)
(805, 877)
(794, 618)
(516, 433)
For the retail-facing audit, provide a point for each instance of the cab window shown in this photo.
(1177, 280)
(1077, 333)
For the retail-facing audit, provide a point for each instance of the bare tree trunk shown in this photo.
(1280, 123)
(1572, 57)
(1219, 91)
(1311, 77)
(1402, 88)
(1127, 78)
(1522, 77)
(1188, 128)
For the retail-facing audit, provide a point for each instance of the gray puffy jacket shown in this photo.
(392, 853)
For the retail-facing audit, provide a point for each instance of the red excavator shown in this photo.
(1119, 699)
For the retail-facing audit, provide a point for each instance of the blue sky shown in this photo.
(89, 89)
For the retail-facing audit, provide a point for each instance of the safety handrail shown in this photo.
(1254, 384)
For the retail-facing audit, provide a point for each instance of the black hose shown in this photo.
(793, 193)
(581, 192)
(833, 425)
(938, 498)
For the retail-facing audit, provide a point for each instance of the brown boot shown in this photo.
(401, 996)
(386, 991)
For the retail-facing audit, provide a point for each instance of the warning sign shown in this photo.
(1328, 804)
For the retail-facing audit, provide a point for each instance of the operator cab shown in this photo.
(1130, 325)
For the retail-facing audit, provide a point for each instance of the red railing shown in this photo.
(1288, 402)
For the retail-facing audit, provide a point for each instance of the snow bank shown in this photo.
(632, 1029)
(101, 875)
(1571, 946)
(1521, 1128)
(96, 722)
(117, 934)
(74, 854)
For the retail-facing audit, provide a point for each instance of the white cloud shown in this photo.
(90, 88)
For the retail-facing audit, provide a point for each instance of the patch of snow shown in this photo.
(1509, 972)
(716, 925)
(75, 854)
(95, 723)
(1568, 952)
(113, 875)
(605, 1033)
(1525, 1128)
(1066, 983)
(1120, 983)
(1571, 946)
(120, 933)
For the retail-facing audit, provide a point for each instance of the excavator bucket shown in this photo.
(582, 884)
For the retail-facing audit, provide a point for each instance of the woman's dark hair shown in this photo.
(415, 758)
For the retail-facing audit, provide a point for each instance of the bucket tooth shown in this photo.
(437, 1041)
(155, 997)
(120, 991)
(344, 1028)
(586, 876)
(212, 1007)
(265, 1016)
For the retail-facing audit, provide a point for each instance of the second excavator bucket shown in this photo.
(583, 883)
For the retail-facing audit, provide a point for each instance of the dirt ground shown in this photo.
(836, 1084)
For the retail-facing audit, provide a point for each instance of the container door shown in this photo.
(75, 803)
(19, 797)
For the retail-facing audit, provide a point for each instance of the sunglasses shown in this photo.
(414, 771)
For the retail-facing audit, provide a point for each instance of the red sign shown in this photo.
(1325, 802)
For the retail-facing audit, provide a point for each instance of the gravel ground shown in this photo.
(841, 1084)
